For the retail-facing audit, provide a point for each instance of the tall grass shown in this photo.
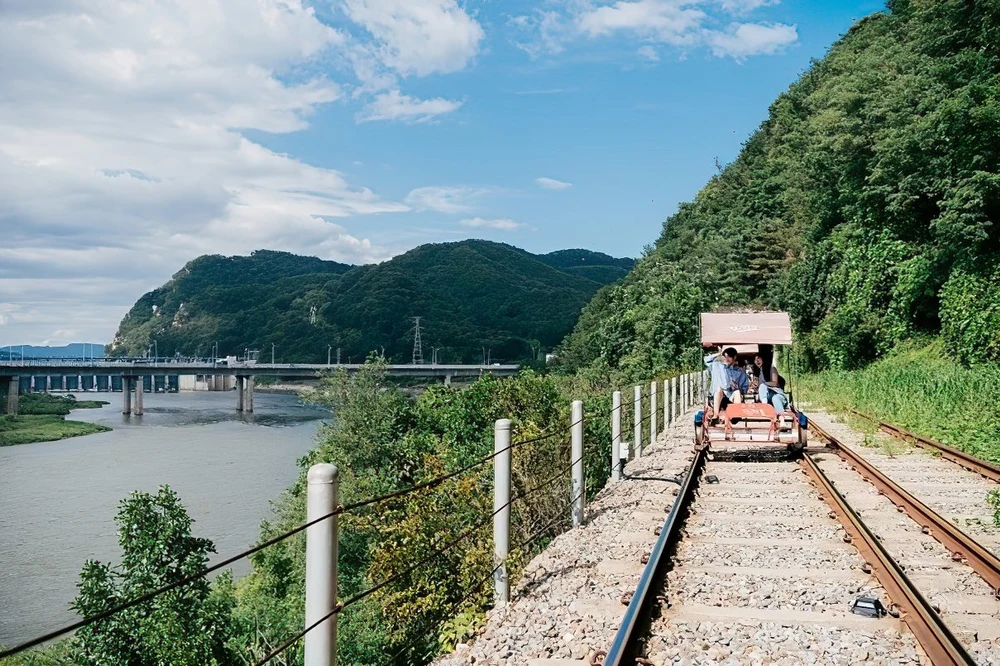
(923, 391)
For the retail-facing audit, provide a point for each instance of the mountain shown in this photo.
(72, 350)
(470, 295)
(866, 204)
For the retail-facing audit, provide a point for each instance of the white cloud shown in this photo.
(418, 36)
(501, 224)
(682, 24)
(393, 105)
(552, 184)
(648, 53)
(747, 39)
(122, 153)
(666, 20)
(445, 199)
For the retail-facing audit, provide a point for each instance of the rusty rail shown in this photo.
(941, 646)
(987, 469)
(961, 545)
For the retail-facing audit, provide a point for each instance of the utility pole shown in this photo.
(418, 350)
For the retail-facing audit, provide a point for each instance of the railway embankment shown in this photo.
(572, 596)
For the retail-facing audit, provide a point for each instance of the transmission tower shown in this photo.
(418, 350)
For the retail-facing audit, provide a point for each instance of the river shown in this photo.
(58, 499)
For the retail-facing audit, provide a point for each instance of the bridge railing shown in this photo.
(323, 511)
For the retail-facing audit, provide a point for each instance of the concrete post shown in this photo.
(501, 508)
(637, 426)
(138, 396)
(79, 383)
(321, 564)
(63, 383)
(666, 403)
(652, 413)
(578, 496)
(684, 392)
(31, 384)
(126, 394)
(673, 399)
(95, 383)
(616, 435)
(447, 380)
(13, 387)
(248, 401)
(239, 393)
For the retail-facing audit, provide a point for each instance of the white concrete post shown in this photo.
(576, 421)
(501, 508)
(652, 413)
(684, 391)
(322, 551)
(616, 435)
(637, 427)
(666, 403)
(673, 400)
(79, 382)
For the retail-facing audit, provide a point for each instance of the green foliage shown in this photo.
(472, 295)
(189, 625)
(45, 428)
(46, 403)
(865, 205)
(922, 390)
(382, 442)
(993, 499)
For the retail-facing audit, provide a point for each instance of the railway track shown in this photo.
(761, 563)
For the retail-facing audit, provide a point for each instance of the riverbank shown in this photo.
(41, 419)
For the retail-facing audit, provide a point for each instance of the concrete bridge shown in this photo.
(131, 374)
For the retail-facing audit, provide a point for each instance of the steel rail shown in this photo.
(961, 545)
(624, 648)
(983, 467)
(937, 641)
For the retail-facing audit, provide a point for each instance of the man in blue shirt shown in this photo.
(729, 382)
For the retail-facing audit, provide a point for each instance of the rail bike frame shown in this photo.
(751, 429)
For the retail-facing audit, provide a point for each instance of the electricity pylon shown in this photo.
(418, 350)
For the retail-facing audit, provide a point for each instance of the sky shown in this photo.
(136, 135)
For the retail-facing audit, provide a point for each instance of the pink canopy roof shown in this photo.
(734, 328)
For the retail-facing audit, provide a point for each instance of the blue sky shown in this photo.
(133, 141)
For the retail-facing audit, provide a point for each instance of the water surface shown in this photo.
(58, 499)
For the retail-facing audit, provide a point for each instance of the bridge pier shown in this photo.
(244, 393)
(48, 383)
(138, 396)
(126, 395)
(13, 388)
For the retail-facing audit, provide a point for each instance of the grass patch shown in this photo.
(37, 404)
(923, 391)
(28, 429)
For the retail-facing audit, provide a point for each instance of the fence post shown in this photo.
(616, 435)
(666, 404)
(652, 413)
(687, 390)
(501, 517)
(578, 498)
(637, 429)
(321, 564)
(673, 403)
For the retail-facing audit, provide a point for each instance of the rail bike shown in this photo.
(747, 427)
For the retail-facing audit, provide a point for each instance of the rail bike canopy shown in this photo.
(745, 328)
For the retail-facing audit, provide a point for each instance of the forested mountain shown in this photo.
(866, 204)
(470, 295)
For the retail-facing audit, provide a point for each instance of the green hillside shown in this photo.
(866, 205)
(469, 295)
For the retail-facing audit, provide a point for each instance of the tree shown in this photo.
(187, 626)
